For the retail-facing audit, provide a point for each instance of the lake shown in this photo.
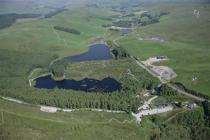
(95, 52)
(88, 85)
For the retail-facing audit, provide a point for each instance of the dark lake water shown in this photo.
(88, 85)
(95, 52)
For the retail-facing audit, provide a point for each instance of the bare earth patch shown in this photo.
(153, 60)
(163, 71)
(152, 38)
(48, 109)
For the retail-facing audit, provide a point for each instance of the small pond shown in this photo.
(95, 52)
(88, 85)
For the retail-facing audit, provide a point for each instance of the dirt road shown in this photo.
(165, 82)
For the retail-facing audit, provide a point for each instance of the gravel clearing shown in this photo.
(163, 71)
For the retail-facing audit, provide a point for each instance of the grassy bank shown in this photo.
(28, 122)
(186, 43)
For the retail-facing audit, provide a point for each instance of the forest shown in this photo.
(124, 100)
(191, 124)
(7, 20)
(120, 52)
(58, 69)
(51, 14)
(180, 85)
(117, 51)
(165, 90)
(150, 18)
(68, 30)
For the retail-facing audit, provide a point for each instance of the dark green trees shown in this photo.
(120, 52)
(68, 30)
(7, 20)
(58, 69)
(51, 14)
(164, 90)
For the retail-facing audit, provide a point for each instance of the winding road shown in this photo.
(139, 63)
(167, 83)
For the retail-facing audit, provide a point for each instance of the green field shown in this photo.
(34, 44)
(186, 43)
(29, 123)
(23, 122)
(28, 50)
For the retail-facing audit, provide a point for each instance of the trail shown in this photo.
(105, 33)
(169, 119)
(30, 117)
(58, 36)
(133, 76)
(139, 63)
(30, 80)
(167, 83)
(64, 122)
(147, 103)
(66, 110)
(118, 38)
(121, 122)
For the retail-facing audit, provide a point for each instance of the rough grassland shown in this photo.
(34, 44)
(29, 123)
(186, 43)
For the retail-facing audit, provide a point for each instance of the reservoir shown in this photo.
(95, 52)
(88, 85)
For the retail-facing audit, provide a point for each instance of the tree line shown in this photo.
(165, 90)
(180, 85)
(118, 51)
(149, 18)
(191, 124)
(7, 20)
(51, 14)
(68, 30)
(14, 73)
(58, 69)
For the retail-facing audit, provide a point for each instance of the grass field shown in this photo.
(41, 36)
(35, 44)
(102, 69)
(186, 43)
(29, 123)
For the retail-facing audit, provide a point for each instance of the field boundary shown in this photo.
(59, 37)
(121, 122)
(88, 109)
(140, 64)
(170, 118)
(2, 118)
(64, 122)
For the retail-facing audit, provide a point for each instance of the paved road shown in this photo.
(146, 110)
(147, 103)
(168, 84)
(158, 77)
(152, 111)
